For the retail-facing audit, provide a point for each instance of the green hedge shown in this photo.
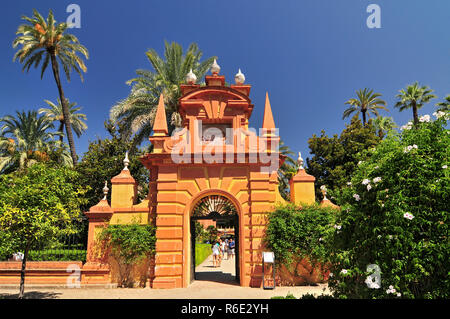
(202, 251)
(58, 255)
(295, 233)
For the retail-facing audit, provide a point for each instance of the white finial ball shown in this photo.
(239, 78)
(191, 78)
(300, 161)
(215, 68)
(323, 189)
(105, 190)
(126, 161)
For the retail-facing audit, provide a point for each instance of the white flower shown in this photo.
(356, 196)
(369, 187)
(360, 162)
(330, 275)
(425, 118)
(377, 167)
(344, 271)
(444, 167)
(366, 181)
(407, 126)
(399, 294)
(439, 114)
(391, 290)
(390, 236)
(337, 226)
(349, 183)
(320, 239)
(379, 236)
(409, 148)
(377, 179)
(408, 216)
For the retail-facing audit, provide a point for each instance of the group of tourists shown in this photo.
(220, 247)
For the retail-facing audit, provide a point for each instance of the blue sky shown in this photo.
(311, 56)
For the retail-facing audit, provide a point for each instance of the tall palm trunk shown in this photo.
(61, 130)
(415, 115)
(364, 117)
(65, 108)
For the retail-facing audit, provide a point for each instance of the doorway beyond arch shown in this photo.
(212, 204)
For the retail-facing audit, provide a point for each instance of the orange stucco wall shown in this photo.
(179, 188)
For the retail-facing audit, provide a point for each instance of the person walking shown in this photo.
(224, 249)
(231, 246)
(215, 253)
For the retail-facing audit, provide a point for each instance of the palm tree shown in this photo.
(25, 140)
(287, 170)
(55, 113)
(414, 97)
(444, 106)
(41, 40)
(383, 124)
(137, 111)
(366, 102)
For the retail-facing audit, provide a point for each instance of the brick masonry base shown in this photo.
(54, 273)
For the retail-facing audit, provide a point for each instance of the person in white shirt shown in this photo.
(224, 248)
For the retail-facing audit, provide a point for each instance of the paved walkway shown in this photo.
(211, 283)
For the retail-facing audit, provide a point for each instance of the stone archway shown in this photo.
(222, 210)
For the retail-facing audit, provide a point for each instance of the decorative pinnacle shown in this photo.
(215, 68)
(126, 162)
(191, 78)
(323, 189)
(239, 78)
(105, 190)
(300, 161)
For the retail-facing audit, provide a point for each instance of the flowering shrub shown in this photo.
(393, 241)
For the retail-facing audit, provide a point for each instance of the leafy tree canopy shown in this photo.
(336, 158)
(38, 204)
(104, 160)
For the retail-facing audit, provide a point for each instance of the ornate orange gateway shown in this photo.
(214, 154)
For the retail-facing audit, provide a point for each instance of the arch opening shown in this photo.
(220, 212)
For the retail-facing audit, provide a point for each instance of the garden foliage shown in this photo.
(298, 233)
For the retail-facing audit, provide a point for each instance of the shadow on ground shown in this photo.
(31, 295)
(217, 276)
